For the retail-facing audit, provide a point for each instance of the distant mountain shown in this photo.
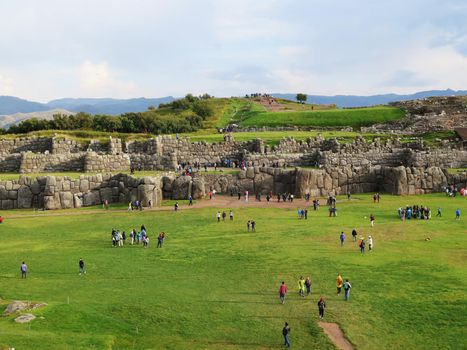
(362, 101)
(108, 105)
(7, 120)
(11, 105)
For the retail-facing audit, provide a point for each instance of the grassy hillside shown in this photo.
(214, 286)
(327, 118)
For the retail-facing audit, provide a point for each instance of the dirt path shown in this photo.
(226, 202)
(334, 332)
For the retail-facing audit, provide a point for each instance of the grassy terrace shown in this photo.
(214, 286)
(327, 118)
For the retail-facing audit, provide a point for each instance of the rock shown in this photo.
(24, 197)
(91, 198)
(198, 189)
(66, 200)
(25, 318)
(15, 306)
(180, 187)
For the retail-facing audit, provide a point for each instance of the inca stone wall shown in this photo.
(51, 192)
(166, 153)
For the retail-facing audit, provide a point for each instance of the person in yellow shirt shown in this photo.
(301, 286)
(339, 283)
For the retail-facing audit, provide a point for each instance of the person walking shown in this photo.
(339, 282)
(458, 214)
(82, 270)
(370, 243)
(301, 286)
(321, 306)
(24, 270)
(218, 216)
(231, 215)
(190, 200)
(285, 333)
(362, 245)
(224, 215)
(253, 226)
(372, 220)
(282, 292)
(354, 234)
(439, 212)
(342, 238)
(248, 225)
(308, 286)
(347, 287)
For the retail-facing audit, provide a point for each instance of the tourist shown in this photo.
(1, 219)
(370, 243)
(308, 286)
(321, 306)
(218, 216)
(285, 333)
(282, 292)
(342, 238)
(347, 287)
(190, 200)
(248, 225)
(210, 194)
(223, 215)
(132, 237)
(82, 270)
(130, 206)
(24, 270)
(239, 195)
(458, 214)
(246, 196)
(123, 238)
(160, 239)
(301, 286)
(374, 198)
(339, 282)
(146, 241)
(150, 204)
(362, 245)
(348, 195)
(354, 234)
(372, 220)
(299, 213)
(176, 206)
(306, 213)
(253, 226)
(378, 197)
(231, 215)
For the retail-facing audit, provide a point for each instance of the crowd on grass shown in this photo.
(141, 237)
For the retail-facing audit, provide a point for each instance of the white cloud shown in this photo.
(98, 79)
(7, 85)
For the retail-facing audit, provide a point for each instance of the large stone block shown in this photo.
(24, 197)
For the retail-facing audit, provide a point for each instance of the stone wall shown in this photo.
(166, 153)
(51, 192)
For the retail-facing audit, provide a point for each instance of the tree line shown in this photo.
(183, 115)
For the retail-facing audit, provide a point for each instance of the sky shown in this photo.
(152, 48)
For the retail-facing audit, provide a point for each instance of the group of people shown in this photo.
(137, 205)
(361, 243)
(119, 237)
(304, 289)
(302, 213)
(416, 212)
(224, 216)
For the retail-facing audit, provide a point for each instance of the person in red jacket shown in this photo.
(1, 219)
(282, 292)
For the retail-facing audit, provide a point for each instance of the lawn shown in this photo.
(214, 286)
(356, 117)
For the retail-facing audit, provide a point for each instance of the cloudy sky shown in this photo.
(131, 48)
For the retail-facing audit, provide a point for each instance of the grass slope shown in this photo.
(326, 118)
(214, 286)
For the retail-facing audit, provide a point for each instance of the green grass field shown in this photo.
(214, 286)
(327, 118)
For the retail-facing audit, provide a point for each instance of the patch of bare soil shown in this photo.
(334, 332)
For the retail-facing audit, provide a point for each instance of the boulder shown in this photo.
(66, 200)
(91, 198)
(24, 197)
(15, 306)
(180, 187)
(198, 189)
(146, 194)
(25, 318)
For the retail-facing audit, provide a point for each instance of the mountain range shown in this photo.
(348, 101)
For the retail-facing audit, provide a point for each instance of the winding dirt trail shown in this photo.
(334, 332)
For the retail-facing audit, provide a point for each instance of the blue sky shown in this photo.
(119, 48)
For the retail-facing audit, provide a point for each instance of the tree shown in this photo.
(301, 98)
